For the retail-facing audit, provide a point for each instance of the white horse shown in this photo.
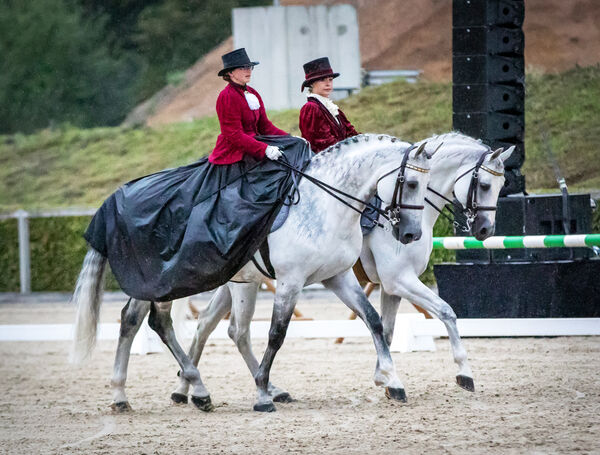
(454, 172)
(319, 242)
(395, 267)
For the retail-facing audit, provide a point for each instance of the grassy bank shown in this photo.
(69, 167)
(74, 167)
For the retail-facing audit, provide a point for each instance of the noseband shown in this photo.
(393, 210)
(471, 210)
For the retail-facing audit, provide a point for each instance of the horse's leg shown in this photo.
(161, 322)
(242, 311)
(348, 290)
(218, 307)
(389, 307)
(283, 308)
(132, 316)
(411, 288)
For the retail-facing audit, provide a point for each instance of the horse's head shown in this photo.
(403, 191)
(477, 187)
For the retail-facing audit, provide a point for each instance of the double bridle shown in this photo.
(396, 205)
(391, 213)
(472, 208)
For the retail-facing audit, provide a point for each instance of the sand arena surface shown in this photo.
(533, 395)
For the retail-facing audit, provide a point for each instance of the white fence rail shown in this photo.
(413, 331)
(22, 218)
(379, 77)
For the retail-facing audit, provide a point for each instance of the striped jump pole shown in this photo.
(517, 241)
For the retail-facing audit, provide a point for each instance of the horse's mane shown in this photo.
(335, 159)
(471, 148)
(364, 137)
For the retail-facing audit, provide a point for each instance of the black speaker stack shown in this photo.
(488, 102)
(488, 73)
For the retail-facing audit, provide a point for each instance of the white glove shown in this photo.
(273, 153)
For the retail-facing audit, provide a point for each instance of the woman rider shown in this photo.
(197, 225)
(322, 123)
(241, 114)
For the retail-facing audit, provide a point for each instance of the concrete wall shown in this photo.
(282, 39)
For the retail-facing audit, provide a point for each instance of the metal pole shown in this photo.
(24, 255)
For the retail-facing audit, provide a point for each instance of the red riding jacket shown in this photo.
(320, 128)
(239, 125)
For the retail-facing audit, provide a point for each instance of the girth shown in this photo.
(264, 255)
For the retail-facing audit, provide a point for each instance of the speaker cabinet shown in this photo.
(487, 40)
(488, 98)
(487, 69)
(467, 13)
(490, 125)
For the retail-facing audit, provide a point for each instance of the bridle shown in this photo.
(391, 213)
(393, 210)
(472, 208)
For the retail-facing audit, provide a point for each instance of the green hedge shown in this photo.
(57, 252)
(58, 249)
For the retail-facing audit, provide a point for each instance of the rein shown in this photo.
(390, 213)
(470, 211)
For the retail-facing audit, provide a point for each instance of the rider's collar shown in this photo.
(241, 87)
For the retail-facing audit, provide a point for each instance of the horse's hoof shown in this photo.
(465, 382)
(203, 403)
(179, 398)
(283, 397)
(395, 394)
(264, 407)
(121, 407)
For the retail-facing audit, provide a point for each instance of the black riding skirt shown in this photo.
(190, 229)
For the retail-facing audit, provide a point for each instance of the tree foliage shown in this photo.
(57, 67)
(171, 35)
(88, 62)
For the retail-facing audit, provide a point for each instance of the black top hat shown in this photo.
(317, 69)
(235, 59)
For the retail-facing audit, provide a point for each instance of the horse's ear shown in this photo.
(496, 154)
(421, 149)
(429, 155)
(506, 154)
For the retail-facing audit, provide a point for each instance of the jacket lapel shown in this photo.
(335, 124)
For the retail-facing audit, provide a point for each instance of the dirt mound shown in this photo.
(412, 34)
(195, 97)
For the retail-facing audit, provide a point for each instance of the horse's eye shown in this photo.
(412, 184)
(485, 186)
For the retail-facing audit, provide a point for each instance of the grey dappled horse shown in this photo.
(319, 242)
(395, 267)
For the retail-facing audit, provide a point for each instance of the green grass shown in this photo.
(68, 167)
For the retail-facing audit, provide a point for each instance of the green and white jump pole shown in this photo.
(517, 241)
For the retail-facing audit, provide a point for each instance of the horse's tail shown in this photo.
(87, 297)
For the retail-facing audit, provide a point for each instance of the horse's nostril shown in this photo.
(408, 237)
(483, 231)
